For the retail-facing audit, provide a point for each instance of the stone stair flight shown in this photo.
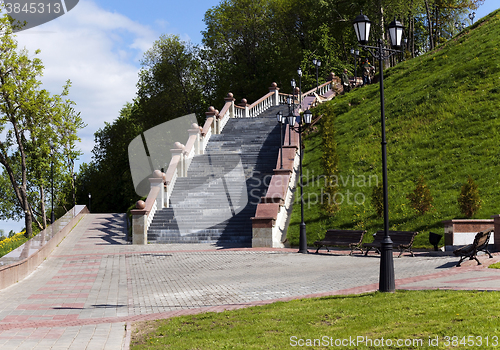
(216, 200)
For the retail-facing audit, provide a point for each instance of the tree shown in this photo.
(421, 198)
(30, 118)
(469, 200)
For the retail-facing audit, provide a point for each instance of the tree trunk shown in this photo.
(429, 22)
(42, 208)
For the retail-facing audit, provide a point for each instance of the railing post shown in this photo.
(157, 181)
(276, 98)
(244, 104)
(229, 98)
(211, 114)
(139, 224)
(179, 150)
(195, 131)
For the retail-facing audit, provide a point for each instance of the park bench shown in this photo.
(470, 251)
(342, 238)
(402, 240)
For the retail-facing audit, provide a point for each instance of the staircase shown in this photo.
(215, 202)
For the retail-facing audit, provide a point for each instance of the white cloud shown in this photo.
(99, 52)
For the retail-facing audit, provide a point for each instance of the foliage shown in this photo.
(329, 163)
(12, 242)
(419, 315)
(170, 85)
(442, 120)
(421, 198)
(377, 198)
(469, 200)
(31, 119)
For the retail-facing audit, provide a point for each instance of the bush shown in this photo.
(469, 201)
(329, 164)
(378, 199)
(421, 198)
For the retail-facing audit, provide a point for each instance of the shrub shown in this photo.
(329, 164)
(378, 199)
(421, 198)
(469, 201)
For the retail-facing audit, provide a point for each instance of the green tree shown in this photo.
(469, 200)
(30, 118)
(421, 198)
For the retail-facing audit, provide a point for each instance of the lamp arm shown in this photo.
(380, 53)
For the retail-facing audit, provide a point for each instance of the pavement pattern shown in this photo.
(94, 285)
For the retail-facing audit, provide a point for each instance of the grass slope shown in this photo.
(412, 319)
(442, 122)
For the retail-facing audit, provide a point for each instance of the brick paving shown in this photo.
(94, 284)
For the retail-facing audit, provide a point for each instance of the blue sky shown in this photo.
(98, 46)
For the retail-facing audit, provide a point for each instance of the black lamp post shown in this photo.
(279, 116)
(472, 16)
(299, 72)
(90, 202)
(362, 28)
(74, 190)
(317, 63)
(52, 217)
(463, 25)
(355, 53)
(457, 25)
(291, 121)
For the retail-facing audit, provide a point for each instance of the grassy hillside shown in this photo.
(442, 122)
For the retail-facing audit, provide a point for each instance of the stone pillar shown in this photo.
(276, 99)
(496, 233)
(244, 104)
(211, 113)
(157, 181)
(195, 131)
(179, 150)
(218, 128)
(139, 224)
(230, 99)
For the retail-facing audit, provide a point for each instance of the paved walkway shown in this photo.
(94, 285)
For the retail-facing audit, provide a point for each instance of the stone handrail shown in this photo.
(271, 219)
(22, 261)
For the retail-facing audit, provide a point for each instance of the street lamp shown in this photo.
(90, 202)
(317, 63)
(463, 25)
(457, 25)
(279, 116)
(362, 29)
(472, 16)
(299, 72)
(52, 217)
(355, 53)
(307, 116)
(74, 190)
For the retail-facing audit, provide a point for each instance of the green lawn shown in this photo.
(413, 318)
(442, 122)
